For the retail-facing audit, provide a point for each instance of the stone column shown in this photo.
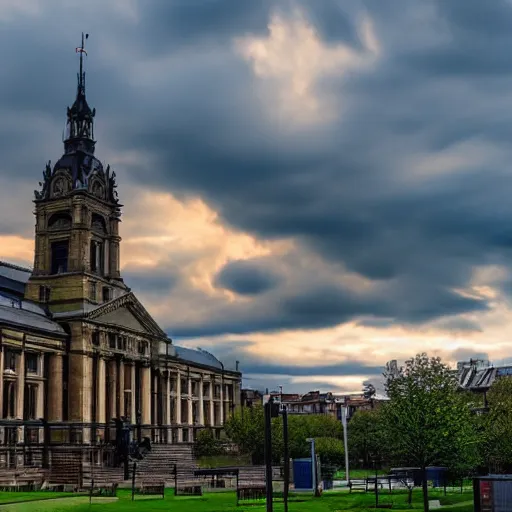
(221, 415)
(201, 402)
(190, 419)
(167, 382)
(112, 389)
(120, 387)
(178, 406)
(178, 397)
(145, 383)
(134, 393)
(55, 373)
(212, 403)
(20, 394)
(101, 392)
(1, 382)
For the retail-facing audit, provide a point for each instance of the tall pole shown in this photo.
(344, 411)
(286, 458)
(268, 455)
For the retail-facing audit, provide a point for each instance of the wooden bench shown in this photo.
(358, 485)
(152, 488)
(103, 489)
(190, 488)
(251, 492)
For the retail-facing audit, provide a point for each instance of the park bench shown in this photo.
(251, 492)
(103, 489)
(188, 488)
(152, 488)
(358, 485)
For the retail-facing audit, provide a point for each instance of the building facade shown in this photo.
(78, 349)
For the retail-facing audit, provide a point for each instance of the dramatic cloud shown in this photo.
(326, 183)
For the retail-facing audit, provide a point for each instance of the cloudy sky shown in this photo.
(312, 187)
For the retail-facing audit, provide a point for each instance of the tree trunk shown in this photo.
(424, 484)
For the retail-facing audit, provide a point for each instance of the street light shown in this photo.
(344, 413)
(314, 475)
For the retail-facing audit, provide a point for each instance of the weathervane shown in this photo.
(81, 51)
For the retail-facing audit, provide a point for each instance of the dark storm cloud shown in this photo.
(246, 278)
(349, 190)
(161, 282)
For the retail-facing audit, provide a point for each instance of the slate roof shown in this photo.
(13, 278)
(26, 315)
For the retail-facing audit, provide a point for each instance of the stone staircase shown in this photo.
(158, 465)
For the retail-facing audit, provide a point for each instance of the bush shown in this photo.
(331, 451)
(207, 445)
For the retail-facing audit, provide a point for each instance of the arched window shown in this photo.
(98, 224)
(59, 221)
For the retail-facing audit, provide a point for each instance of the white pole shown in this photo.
(313, 463)
(344, 411)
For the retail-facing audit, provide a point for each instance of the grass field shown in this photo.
(226, 502)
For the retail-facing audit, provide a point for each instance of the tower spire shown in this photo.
(81, 77)
(79, 134)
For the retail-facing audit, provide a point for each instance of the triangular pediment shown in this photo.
(128, 313)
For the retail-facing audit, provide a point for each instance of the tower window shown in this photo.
(60, 257)
(44, 294)
(106, 294)
(92, 290)
(96, 338)
(111, 340)
(97, 257)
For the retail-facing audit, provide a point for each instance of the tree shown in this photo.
(427, 419)
(247, 429)
(366, 437)
(497, 426)
(206, 444)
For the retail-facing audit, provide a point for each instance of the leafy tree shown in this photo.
(427, 419)
(497, 426)
(330, 450)
(366, 438)
(247, 429)
(206, 444)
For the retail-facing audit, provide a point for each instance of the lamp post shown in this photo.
(314, 475)
(344, 413)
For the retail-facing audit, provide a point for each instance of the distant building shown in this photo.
(251, 397)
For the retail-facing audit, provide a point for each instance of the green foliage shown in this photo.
(497, 426)
(206, 444)
(427, 420)
(367, 438)
(246, 429)
(331, 451)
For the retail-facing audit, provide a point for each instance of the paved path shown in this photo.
(49, 505)
(464, 503)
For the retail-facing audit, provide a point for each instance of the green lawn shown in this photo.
(9, 497)
(226, 502)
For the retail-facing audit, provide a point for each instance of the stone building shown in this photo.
(77, 347)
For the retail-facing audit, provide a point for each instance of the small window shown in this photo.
(106, 294)
(31, 361)
(60, 257)
(142, 347)
(121, 343)
(112, 340)
(92, 290)
(10, 360)
(44, 294)
(96, 338)
(30, 402)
